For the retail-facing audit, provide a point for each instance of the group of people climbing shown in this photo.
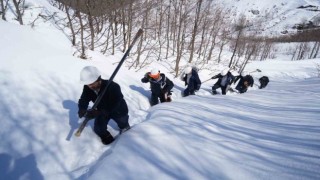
(161, 85)
(113, 105)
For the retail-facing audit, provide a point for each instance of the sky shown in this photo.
(271, 133)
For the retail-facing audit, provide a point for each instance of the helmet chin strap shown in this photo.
(95, 86)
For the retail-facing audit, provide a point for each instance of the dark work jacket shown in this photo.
(241, 87)
(160, 86)
(194, 81)
(264, 80)
(112, 102)
(230, 78)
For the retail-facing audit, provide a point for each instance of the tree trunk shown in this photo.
(317, 50)
(180, 39)
(235, 47)
(123, 21)
(83, 55)
(3, 9)
(168, 30)
(71, 27)
(130, 21)
(195, 28)
(19, 14)
(313, 51)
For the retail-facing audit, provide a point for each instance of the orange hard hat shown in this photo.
(155, 74)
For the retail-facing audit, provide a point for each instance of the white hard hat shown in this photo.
(154, 71)
(188, 70)
(225, 71)
(234, 73)
(89, 74)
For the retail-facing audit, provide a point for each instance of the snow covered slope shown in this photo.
(276, 15)
(263, 134)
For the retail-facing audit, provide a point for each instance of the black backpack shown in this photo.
(264, 80)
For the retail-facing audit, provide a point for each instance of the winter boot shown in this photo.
(124, 129)
(107, 139)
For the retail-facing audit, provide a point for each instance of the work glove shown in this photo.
(92, 113)
(81, 112)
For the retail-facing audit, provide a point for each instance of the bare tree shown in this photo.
(168, 28)
(195, 28)
(73, 41)
(304, 48)
(266, 49)
(315, 50)
(218, 20)
(83, 53)
(224, 41)
(18, 10)
(174, 24)
(146, 9)
(124, 24)
(300, 51)
(205, 23)
(251, 50)
(241, 24)
(161, 13)
(130, 16)
(182, 26)
(139, 50)
(90, 7)
(4, 5)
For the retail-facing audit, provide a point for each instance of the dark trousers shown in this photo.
(155, 98)
(216, 86)
(101, 124)
(188, 92)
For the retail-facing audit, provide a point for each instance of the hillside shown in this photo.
(276, 16)
(270, 133)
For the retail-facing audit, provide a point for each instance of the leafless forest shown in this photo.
(175, 31)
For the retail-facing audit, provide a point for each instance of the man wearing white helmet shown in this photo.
(192, 81)
(225, 79)
(160, 86)
(111, 106)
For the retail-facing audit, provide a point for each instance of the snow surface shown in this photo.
(273, 133)
(276, 15)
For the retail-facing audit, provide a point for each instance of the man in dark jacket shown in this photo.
(264, 80)
(244, 83)
(160, 86)
(192, 81)
(111, 106)
(225, 79)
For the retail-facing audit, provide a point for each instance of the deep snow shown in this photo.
(273, 133)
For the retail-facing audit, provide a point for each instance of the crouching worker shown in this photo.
(244, 83)
(264, 80)
(111, 106)
(192, 81)
(225, 79)
(160, 86)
